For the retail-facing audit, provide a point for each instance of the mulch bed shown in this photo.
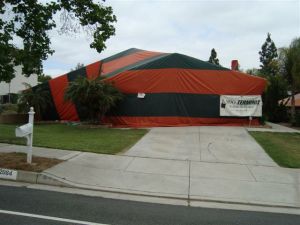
(17, 161)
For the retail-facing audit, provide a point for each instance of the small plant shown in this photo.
(8, 108)
(97, 96)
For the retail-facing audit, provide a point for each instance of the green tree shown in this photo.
(289, 59)
(253, 71)
(44, 78)
(276, 87)
(7, 59)
(37, 97)
(97, 96)
(31, 21)
(213, 57)
(78, 66)
(276, 90)
(268, 57)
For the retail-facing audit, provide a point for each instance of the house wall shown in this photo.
(16, 84)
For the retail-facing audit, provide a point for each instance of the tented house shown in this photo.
(163, 89)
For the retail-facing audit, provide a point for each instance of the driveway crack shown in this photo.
(209, 150)
(250, 171)
(130, 162)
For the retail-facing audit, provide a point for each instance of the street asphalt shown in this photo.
(96, 210)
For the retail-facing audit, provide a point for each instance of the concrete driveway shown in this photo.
(221, 163)
(202, 144)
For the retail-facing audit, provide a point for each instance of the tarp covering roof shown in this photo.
(180, 90)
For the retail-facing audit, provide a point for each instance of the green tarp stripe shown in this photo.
(121, 54)
(169, 104)
(50, 112)
(176, 60)
(73, 75)
(131, 66)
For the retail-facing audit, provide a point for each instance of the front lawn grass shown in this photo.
(283, 148)
(70, 137)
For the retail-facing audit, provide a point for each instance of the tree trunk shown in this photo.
(293, 109)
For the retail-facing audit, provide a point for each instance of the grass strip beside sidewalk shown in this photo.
(283, 148)
(63, 136)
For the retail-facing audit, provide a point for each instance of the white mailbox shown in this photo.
(24, 130)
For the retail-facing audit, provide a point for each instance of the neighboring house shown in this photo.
(287, 102)
(16, 85)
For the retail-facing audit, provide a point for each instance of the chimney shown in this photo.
(234, 64)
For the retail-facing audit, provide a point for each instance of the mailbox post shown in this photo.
(26, 130)
(30, 138)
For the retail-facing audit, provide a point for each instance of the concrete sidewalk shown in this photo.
(275, 128)
(222, 164)
(183, 179)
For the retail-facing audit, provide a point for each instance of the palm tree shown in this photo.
(38, 97)
(97, 95)
(290, 67)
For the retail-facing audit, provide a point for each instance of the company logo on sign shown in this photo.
(240, 102)
(233, 105)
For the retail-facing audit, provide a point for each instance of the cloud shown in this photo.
(236, 29)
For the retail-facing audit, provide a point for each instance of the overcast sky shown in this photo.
(235, 28)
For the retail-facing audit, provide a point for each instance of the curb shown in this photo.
(45, 179)
(37, 178)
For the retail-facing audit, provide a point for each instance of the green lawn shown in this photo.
(284, 148)
(63, 136)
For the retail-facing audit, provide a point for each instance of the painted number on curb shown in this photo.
(8, 174)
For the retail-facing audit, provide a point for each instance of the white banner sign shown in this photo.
(233, 105)
(8, 174)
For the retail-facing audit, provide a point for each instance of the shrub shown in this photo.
(37, 97)
(97, 96)
(275, 91)
(8, 108)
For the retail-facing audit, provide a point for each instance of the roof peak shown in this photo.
(177, 60)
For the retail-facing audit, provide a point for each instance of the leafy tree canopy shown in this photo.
(30, 21)
(213, 57)
(277, 86)
(253, 71)
(275, 91)
(44, 78)
(78, 66)
(289, 61)
(268, 57)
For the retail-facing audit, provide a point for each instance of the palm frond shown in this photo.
(97, 95)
